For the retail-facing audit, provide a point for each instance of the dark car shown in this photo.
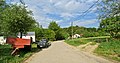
(43, 43)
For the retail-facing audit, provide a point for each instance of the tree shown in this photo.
(112, 26)
(54, 26)
(2, 2)
(49, 34)
(2, 7)
(110, 17)
(61, 34)
(39, 32)
(109, 8)
(16, 18)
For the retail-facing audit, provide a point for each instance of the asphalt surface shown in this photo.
(60, 52)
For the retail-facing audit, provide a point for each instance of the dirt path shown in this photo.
(60, 52)
(88, 47)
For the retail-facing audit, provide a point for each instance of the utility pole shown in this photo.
(72, 29)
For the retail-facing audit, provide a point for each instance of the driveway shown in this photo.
(60, 52)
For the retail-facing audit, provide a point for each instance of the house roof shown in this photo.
(28, 34)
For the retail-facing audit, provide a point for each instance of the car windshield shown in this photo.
(44, 40)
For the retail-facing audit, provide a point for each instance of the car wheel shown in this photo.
(39, 47)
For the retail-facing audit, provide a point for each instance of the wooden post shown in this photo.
(20, 34)
(106, 39)
(72, 29)
(15, 51)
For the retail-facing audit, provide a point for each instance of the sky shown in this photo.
(63, 12)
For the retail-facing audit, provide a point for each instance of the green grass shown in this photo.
(5, 54)
(76, 42)
(79, 41)
(97, 37)
(93, 43)
(109, 49)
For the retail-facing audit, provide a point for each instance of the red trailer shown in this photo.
(18, 43)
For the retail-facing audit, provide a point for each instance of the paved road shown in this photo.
(60, 52)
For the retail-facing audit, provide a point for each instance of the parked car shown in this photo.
(43, 43)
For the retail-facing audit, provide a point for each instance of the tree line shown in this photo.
(16, 18)
(55, 32)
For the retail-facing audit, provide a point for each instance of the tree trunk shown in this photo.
(20, 34)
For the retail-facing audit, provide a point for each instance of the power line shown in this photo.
(22, 2)
(88, 10)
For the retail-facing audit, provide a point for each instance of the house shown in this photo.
(28, 36)
(76, 36)
(2, 40)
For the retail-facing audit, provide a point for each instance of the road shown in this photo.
(60, 52)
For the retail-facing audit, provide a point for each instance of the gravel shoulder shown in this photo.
(60, 52)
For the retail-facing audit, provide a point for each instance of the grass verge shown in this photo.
(79, 41)
(76, 42)
(109, 49)
(5, 54)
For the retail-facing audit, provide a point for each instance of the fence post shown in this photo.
(106, 39)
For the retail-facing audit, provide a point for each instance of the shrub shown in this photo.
(49, 34)
(110, 49)
(61, 34)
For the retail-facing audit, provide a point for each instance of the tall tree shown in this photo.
(109, 8)
(2, 6)
(49, 34)
(110, 17)
(61, 34)
(54, 26)
(16, 18)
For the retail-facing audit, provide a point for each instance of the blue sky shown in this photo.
(63, 12)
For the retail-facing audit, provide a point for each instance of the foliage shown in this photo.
(53, 26)
(112, 26)
(6, 57)
(16, 18)
(109, 8)
(79, 41)
(2, 2)
(85, 32)
(110, 49)
(110, 17)
(61, 34)
(49, 34)
(38, 32)
(76, 42)
(2, 7)
(76, 29)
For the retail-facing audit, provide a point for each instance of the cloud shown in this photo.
(61, 11)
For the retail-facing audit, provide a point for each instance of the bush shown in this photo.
(49, 34)
(110, 49)
(61, 34)
(76, 42)
(6, 57)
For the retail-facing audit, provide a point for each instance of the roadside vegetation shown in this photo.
(109, 49)
(16, 18)
(6, 57)
(81, 41)
(76, 42)
(109, 15)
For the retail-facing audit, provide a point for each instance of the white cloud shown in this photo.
(66, 9)
(66, 15)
